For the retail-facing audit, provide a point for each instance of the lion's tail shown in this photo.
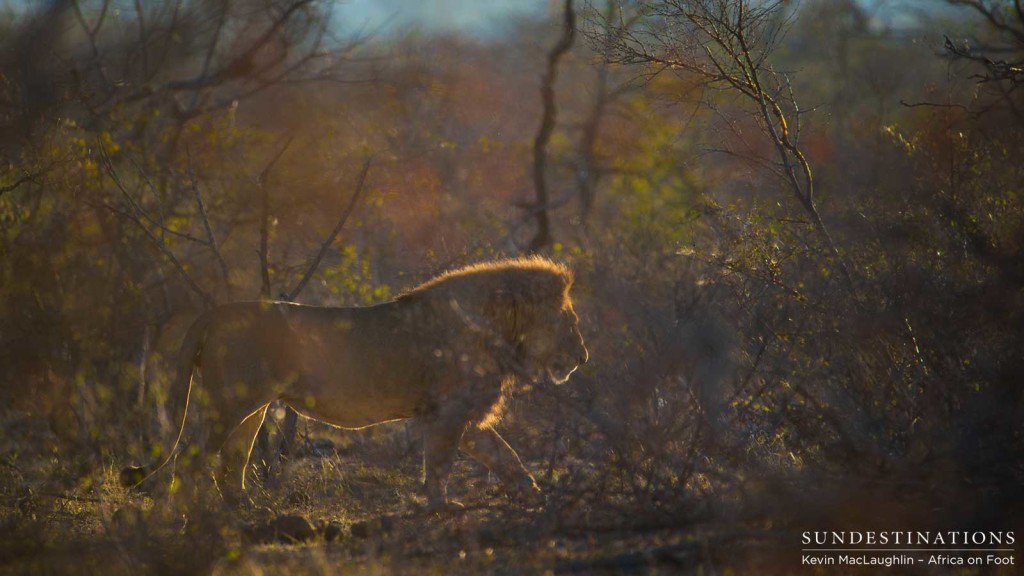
(178, 396)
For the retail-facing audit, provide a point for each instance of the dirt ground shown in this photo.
(345, 504)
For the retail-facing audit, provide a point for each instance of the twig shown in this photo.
(17, 183)
(109, 168)
(261, 183)
(210, 49)
(334, 233)
(162, 229)
(145, 215)
(91, 33)
(211, 239)
(932, 105)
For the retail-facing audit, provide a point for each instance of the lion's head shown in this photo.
(543, 325)
(553, 346)
(522, 308)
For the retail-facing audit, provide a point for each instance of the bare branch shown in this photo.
(249, 69)
(242, 64)
(210, 237)
(140, 18)
(992, 16)
(270, 165)
(728, 42)
(90, 33)
(17, 183)
(532, 209)
(138, 220)
(547, 125)
(932, 105)
(139, 211)
(261, 183)
(211, 50)
(997, 70)
(334, 233)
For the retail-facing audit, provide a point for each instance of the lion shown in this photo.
(444, 353)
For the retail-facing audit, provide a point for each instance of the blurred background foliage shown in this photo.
(845, 355)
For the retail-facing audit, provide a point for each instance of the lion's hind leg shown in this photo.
(231, 473)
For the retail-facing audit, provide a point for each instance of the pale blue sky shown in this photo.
(487, 18)
(474, 17)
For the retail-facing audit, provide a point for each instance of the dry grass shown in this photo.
(361, 498)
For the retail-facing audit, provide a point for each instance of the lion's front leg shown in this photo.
(491, 450)
(441, 436)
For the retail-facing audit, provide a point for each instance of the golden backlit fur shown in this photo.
(442, 353)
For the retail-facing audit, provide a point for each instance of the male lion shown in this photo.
(443, 353)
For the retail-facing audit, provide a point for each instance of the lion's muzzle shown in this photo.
(562, 367)
(559, 374)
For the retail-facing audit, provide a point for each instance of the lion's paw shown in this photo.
(444, 507)
(527, 495)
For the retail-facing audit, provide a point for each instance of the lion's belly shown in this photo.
(354, 367)
(356, 413)
(353, 406)
(354, 391)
